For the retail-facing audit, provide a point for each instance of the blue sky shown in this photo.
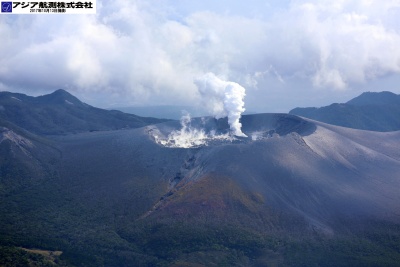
(285, 53)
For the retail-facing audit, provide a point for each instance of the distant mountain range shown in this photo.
(295, 192)
(62, 113)
(167, 111)
(164, 111)
(369, 111)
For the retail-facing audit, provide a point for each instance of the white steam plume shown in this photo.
(186, 137)
(223, 99)
(189, 136)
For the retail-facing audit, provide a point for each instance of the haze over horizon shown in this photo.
(285, 53)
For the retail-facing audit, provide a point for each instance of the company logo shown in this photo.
(51, 7)
(6, 7)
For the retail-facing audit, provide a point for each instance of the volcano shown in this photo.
(319, 172)
(294, 192)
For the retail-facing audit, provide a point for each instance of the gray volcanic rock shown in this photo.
(317, 171)
(121, 197)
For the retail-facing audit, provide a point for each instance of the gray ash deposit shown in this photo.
(208, 131)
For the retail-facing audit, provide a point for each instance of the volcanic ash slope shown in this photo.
(321, 173)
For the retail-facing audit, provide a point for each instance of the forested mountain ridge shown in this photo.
(369, 111)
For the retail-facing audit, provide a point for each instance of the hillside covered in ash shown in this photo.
(292, 192)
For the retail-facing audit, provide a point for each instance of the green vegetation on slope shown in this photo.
(62, 113)
(231, 229)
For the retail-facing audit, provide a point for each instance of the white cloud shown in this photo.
(147, 53)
